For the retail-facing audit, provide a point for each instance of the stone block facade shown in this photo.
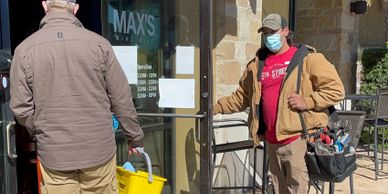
(329, 26)
(235, 41)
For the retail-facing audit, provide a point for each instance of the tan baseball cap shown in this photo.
(72, 1)
(60, 3)
(273, 21)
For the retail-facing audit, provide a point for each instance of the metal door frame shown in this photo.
(206, 89)
(7, 125)
(205, 115)
(5, 38)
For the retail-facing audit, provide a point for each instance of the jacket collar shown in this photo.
(59, 18)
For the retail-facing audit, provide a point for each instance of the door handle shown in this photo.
(8, 134)
(197, 116)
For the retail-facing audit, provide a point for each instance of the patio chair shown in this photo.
(379, 121)
(354, 121)
(241, 145)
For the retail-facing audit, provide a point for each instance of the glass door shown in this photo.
(8, 178)
(157, 42)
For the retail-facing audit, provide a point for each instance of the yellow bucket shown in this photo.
(139, 182)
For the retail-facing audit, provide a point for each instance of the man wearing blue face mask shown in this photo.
(268, 87)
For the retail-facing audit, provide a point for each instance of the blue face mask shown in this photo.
(273, 42)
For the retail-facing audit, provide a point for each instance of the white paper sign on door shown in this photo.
(184, 59)
(177, 93)
(127, 57)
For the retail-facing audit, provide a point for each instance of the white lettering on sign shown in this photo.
(151, 20)
(152, 81)
(133, 22)
(141, 89)
(142, 82)
(152, 88)
(141, 95)
(142, 75)
(153, 75)
(152, 94)
(146, 66)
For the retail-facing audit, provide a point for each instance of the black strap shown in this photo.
(260, 70)
(261, 55)
(258, 106)
(298, 59)
(303, 124)
(333, 114)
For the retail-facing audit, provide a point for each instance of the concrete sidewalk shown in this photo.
(363, 179)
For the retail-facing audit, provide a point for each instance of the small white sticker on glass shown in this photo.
(5, 82)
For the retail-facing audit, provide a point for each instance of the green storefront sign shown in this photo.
(130, 23)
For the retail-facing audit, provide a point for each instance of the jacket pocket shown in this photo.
(309, 119)
(315, 119)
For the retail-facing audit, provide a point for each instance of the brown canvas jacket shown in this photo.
(321, 87)
(65, 84)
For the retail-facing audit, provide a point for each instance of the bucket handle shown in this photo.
(148, 161)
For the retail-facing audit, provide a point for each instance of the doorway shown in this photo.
(172, 132)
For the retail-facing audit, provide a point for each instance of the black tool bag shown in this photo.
(323, 162)
(332, 167)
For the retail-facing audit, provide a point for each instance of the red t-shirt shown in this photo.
(271, 80)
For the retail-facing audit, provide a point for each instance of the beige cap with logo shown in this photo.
(72, 1)
(60, 3)
(273, 21)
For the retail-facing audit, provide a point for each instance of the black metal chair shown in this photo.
(379, 121)
(354, 121)
(241, 145)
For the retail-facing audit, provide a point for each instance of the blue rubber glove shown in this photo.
(128, 166)
(115, 122)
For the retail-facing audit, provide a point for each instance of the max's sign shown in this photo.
(128, 22)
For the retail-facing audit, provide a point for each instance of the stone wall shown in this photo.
(329, 26)
(235, 40)
(372, 26)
